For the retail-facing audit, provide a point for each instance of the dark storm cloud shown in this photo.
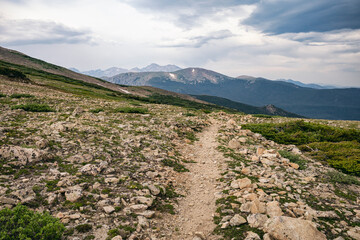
(27, 32)
(283, 16)
(187, 13)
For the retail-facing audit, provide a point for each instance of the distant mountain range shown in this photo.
(309, 85)
(305, 101)
(110, 72)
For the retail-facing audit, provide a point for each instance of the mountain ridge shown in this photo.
(308, 102)
(112, 71)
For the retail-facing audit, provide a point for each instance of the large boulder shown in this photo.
(287, 228)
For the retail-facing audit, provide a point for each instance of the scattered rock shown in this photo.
(286, 228)
(109, 209)
(74, 193)
(237, 220)
(252, 236)
(234, 144)
(154, 190)
(273, 209)
(241, 183)
(257, 220)
(20, 156)
(354, 232)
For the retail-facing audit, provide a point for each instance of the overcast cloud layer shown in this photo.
(314, 41)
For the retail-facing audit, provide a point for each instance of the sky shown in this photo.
(312, 41)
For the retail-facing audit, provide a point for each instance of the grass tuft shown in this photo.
(294, 158)
(34, 107)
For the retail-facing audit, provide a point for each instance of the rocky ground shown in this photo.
(166, 173)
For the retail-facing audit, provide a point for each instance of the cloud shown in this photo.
(348, 39)
(29, 32)
(209, 5)
(198, 41)
(188, 13)
(283, 16)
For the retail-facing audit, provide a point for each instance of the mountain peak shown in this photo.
(153, 67)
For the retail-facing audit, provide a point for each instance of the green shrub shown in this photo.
(22, 223)
(21, 95)
(11, 73)
(301, 132)
(121, 229)
(83, 228)
(294, 158)
(344, 156)
(52, 185)
(131, 110)
(2, 95)
(34, 107)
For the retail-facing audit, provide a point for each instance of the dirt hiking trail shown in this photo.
(196, 210)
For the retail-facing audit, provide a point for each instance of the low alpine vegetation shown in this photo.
(339, 147)
(23, 223)
(21, 95)
(34, 107)
(131, 110)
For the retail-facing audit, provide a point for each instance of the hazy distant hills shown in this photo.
(110, 72)
(268, 110)
(309, 85)
(305, 101)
